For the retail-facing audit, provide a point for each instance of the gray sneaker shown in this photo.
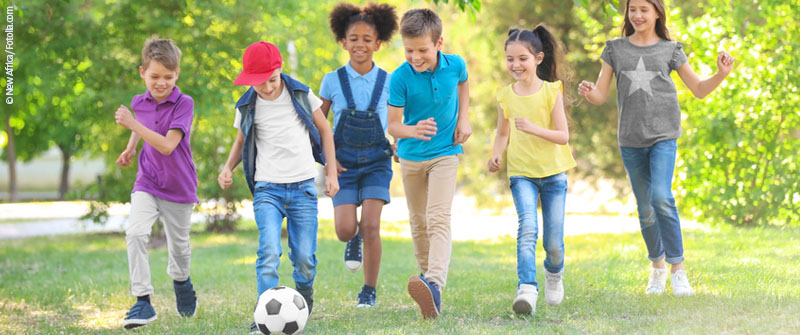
(525, 303)
(658, 281)
(680, 284)
(553, 287)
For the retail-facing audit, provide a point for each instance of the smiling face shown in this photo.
(422, 52)
(159, 79)
(361, 42)
(272, 88)
(521, 62)
(642, 15)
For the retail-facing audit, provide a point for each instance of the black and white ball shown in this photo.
(281, 309)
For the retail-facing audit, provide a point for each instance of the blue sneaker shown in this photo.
(139, 315)
(426, 294)
(185, 298)
(366, 298)
(352, 253)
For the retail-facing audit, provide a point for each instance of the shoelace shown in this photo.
(354, 248)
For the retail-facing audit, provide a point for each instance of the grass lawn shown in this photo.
(746, 281)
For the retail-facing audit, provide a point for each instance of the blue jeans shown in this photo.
(650, 172)
(526, 192)
(297, 202)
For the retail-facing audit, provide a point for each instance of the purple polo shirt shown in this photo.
(172, 178)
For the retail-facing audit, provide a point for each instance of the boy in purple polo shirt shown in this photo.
(166, 184)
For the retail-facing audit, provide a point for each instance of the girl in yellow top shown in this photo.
(538, 156)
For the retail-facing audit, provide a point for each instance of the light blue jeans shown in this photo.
(298, 203)
(526, 192)
(650, 172)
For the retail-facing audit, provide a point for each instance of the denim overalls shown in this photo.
(362, 146)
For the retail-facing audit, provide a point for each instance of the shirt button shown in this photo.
(156, 122)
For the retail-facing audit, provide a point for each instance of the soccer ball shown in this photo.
(281, 309)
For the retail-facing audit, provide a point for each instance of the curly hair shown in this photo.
(381, 16)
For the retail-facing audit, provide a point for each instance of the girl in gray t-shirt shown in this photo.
(649, 125)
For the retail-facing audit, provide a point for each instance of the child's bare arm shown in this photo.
(326, 106)
(559, 135)
(500, 141)
(129, 153)
(423, 130)
(164, 144)
(596, 93)
(463, 128)
(331, 172)
(225, 178)
(701, 88)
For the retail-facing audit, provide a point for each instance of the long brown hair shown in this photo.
(661, 21)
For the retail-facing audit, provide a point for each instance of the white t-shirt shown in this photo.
(284, 149)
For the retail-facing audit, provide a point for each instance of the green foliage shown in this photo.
(739, 161)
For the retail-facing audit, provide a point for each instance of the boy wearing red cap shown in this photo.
(281, 133)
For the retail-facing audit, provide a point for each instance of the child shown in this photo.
(166, 184)
(428, 111)
(538, 156)
(357, 92)
(280, 133)
(649, 125)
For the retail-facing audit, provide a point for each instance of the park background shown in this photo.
(736, 177)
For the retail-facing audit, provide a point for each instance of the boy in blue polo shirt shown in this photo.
(428, 112)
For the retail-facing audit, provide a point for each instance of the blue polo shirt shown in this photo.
(361, 86)
(429, 94)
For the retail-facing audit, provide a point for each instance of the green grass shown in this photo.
(745, 279)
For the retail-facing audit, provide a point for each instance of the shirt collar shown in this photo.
(173, 97)
(369, 76)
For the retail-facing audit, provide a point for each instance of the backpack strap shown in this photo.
(345, 84)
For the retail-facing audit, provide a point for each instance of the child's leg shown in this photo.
(268, 202)
(371, 233)
(415, 183)
(662, 164)
(526, 194)
(177, 223)
(442, 173)
(144, 212)
(302, 227)
(637, 165)
(553, 195)
(345, 221)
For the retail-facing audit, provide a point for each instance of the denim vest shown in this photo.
(246, 106)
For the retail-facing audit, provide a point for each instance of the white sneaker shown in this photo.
(658, 281)
(680, 284)
(553, 288)
(525, 303)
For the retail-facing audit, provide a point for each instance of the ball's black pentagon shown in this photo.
(273, 307)
(263, 328)
(290, 327)
(299, 302)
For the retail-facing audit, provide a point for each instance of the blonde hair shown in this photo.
(421, 22)
(161, 50)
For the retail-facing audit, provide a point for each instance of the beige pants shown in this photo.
(145, 210)
(430, 186)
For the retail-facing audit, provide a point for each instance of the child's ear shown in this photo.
(378, 45)
(539, 58)
(439, 43)
(141, 71)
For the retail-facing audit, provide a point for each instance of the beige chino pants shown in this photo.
(430, 186)
(145, 210)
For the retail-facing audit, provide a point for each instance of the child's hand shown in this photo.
(124, 117)
(725, 63)
(339, 168)
(125, 157)
(225, 178)
(462, 133)
(394, 152)
(585, 87)
(425, 129)
(331, 186)
(523, 124)
(494, 163)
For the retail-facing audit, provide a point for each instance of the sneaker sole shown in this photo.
(133, 323)
(423, 297)
(522, 307)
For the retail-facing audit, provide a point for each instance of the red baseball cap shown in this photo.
(259, 62)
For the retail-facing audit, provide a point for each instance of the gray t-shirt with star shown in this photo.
(646, 97)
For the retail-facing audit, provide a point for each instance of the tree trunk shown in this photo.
(65, 161)
(12, 161)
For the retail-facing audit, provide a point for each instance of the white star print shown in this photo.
(640, 78)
